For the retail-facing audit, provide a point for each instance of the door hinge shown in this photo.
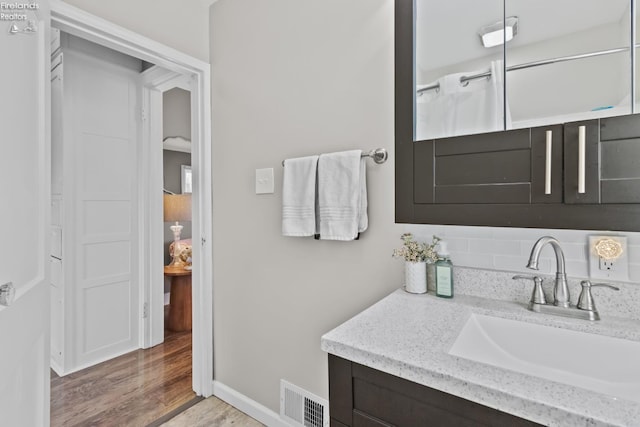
(145, 310)
(143, 114)
(203, 241)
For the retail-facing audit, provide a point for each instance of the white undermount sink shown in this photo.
(593, 362)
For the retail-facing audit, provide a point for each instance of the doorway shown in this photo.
(178, 193)
(196, 76)
(96, 152)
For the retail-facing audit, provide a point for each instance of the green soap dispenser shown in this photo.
(444, 272)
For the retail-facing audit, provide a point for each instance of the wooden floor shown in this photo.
(131, 390)
(212, 412)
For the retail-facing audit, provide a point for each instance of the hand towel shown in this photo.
(363, 217)
(299, 196)
(342, 195)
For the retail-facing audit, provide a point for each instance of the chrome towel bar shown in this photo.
(379, 155)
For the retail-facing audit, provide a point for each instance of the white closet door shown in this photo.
(104, 98)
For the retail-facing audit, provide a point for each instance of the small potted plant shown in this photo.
(416, 256)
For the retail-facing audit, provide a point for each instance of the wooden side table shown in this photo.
(180, 299)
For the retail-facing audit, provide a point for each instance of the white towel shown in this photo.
(299, 196)
(462, 109)
(342, 195)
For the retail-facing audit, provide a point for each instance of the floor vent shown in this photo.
(300, 408)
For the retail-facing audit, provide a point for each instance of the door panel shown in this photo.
(612, 163)
(20, 161)
(24, 254)
(105, 141)
(620, 159)
(108, 319)
(24, 389)
(490, 168)
(592, 165)
(539, 164)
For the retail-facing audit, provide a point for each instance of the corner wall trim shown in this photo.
(248, 406)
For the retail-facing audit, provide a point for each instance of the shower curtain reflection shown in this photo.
(457, 108)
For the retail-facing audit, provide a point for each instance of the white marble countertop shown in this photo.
(409, 336)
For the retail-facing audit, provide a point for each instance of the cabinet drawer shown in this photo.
(399, 409)
(336, 423)
(513, 167)
(620, 160)
(364, 420)
(611, 161)
(362, 396)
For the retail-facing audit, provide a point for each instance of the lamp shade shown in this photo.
(177, 207)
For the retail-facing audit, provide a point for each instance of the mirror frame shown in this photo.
(618, 217)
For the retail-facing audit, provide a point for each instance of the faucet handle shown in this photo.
(585, 300)
(537, 297)
(526, 277)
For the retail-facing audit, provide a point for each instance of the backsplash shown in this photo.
(508, 249)
(499, 285)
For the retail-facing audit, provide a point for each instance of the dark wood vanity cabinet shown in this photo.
(496, 168)
(499, 178)
(611, 161)
(363, 397)
(510, 168)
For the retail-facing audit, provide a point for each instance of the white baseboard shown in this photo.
(248, 406)
(61, 372)
(56, 368)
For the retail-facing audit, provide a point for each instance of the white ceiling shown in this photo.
(447, 31)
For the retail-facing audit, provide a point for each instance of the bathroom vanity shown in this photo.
(415, 360)
(363, 396)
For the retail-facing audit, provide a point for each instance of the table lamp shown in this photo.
(177, 207)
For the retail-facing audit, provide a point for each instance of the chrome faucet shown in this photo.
(560, 290)
(585, 309)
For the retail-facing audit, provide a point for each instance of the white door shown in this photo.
(104, 132)
(24, 218)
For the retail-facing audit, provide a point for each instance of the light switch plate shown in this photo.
(614, 270)
(264, 181)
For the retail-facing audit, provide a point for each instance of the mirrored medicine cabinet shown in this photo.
(517, 113)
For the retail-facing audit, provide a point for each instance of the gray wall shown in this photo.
(295, 78)
(299, 78)
(176, 113)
